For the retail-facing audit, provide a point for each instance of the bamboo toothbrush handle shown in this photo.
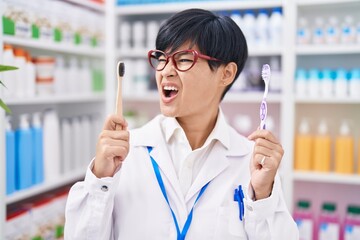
(119, 107)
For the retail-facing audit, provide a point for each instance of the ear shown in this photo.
(228, 74)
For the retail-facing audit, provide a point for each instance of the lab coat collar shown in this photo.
(153, 135)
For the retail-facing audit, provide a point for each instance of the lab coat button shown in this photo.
(249, 208)
(104, 188)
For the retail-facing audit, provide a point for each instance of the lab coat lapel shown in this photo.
(213, 166)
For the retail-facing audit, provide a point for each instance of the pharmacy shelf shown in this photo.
(89, 4)
(147, 9)
(323, 2)
(55, 47)
(327, 100)
(231, 97)
(44, 187)
(328, 49)
(56, 99)
(253, 52)
(353, 179)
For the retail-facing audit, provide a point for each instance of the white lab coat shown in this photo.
(130, 205)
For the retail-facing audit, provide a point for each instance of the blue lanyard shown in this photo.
(180, 235)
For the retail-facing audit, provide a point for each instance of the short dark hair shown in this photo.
(216, 36)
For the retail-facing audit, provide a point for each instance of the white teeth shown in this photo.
(171, 88)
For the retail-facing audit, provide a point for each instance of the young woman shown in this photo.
(187, 174)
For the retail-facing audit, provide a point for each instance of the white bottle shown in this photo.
(152, 28)
(85, 77)
(66, 147)
(30, 77)
(276, 27)
(73, 80)
(236, 17)
(125, 35)
(341, 84)
(128, 87)
(276, 74)
(332, 34)
(138, 35)
(318, 33)
(9, 77)
(86, 136)
(262, 28)
(249, 27)
(60, 76)
(303, 34)
(358, 33)
(51, 146)
(20, 73)
(301, 83)
(314, 83)
(141, 77)
(354, 84)
(327, 84)
(348, 30)
(77, 144)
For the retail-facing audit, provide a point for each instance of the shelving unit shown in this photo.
(329, 178)
(57, 99)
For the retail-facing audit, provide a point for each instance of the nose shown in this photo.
(169, 69)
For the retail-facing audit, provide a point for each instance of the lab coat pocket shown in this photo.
(229, 225)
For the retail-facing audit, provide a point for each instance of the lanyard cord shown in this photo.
(180, 235)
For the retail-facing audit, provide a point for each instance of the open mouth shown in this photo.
(170, 91)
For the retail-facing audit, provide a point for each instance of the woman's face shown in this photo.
(189, 93)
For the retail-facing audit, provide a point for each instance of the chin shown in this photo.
(168, 111)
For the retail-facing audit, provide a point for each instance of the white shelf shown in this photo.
(143, 9)
(251, 97)
(328, 49)
(55, 47)
(44, 187)
(89, 4)
(253, 52)
(327, 100)
(327, 177)
(56, 99)
(231, 97)
(323, 2)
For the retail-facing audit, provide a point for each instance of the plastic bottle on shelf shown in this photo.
(327, 84)
(86, 135)
(348, 30)
(45, 66)
(332, 35)
(318, 33)
(253, 75)
(20, 62)
(66, 146)
(60, 76)
(276, 74)
(73, 78)
(152, 28)
(344, 150)
(276, 27)
(262, 28)
(354, 83)
(249, 26)
(77, 143)
(352, 223)
(37, 137)
(301, 83)
(9, 77)
(358, 33)
(329, 223)
(304, 220)
(303, 34)
(322, 149)
(24, 154)
(141, 77)
(314, 82)
(125, 35)
(10, 158)
(341, 83)
(51, 139)
(236, 17)
(303, 147)
(85, 77)
(138, 35)
(30, 77)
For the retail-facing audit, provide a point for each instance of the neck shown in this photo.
(197, 128)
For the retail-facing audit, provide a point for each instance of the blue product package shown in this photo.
(10, 162)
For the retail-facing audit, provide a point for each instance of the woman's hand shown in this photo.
(265, 162)
(112, 147)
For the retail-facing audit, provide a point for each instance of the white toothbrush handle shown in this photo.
(263, 114)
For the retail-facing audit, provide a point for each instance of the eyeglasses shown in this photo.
(183, 60)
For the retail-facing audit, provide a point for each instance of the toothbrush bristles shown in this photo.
(121, 69)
